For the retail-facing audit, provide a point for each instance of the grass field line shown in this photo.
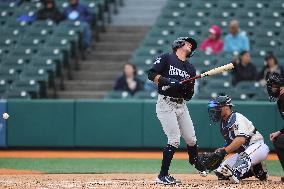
(95, 154)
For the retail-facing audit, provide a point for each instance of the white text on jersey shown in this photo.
(176, 71)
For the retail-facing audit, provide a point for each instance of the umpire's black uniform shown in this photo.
(279, 142)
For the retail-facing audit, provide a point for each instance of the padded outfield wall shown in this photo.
(116, 123)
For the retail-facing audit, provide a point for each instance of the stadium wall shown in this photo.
(116, 123)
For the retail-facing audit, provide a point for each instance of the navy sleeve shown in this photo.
(160, 63)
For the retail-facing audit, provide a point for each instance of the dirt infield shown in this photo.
(58, 181)
(25, 179)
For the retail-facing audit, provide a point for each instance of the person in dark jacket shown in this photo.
(271, 66)
(244, 69)
(79, 12)
(49, 12)
(128, 81)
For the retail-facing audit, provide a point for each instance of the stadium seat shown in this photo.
(170, 23)
(273, 25)
(230, 6)
(146, 95)
(256, 5)
(162, 31)
(16, 94)
(50, 67)
(15, 63)
(39, 75)
(277, 6)
(4, 86)
(30, 86)
(8, 75)
(219, 87)
(262, 95)
(248, 87)
(118, 95)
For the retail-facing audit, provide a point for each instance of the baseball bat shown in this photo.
(211, 72)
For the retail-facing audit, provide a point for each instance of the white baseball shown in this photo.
(5, 116)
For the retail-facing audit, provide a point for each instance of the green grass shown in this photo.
(70, 165)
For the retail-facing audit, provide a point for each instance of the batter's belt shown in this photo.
(176, 100)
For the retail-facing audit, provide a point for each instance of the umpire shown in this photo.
(168, 71)
(275, 89)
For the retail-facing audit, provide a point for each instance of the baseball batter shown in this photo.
(275, 89)
(168, 70)
(240, 136)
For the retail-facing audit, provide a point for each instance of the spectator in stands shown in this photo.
(128, 81)
(213, 44)
(244, 70)
(271, 66)
(235, 41)
(76, 11)
(49, 12)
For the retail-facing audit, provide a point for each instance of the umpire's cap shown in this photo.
(179, 42)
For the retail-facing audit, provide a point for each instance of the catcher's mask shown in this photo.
(274, 82)
(215, 106)
(180, 42)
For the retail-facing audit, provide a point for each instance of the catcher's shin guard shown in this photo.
(260, 171)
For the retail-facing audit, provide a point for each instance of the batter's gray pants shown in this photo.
(176, 121)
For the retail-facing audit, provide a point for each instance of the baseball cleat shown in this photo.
(220, 176)
(167, 180)
(203, 173)
(235, 178)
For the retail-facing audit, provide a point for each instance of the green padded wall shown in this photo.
(108, 123)
(118, 123)
(41, 123)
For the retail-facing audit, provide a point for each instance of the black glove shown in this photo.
(212, 161)
(188, 90)
(169, 82)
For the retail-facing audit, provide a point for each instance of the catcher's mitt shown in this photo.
(211, 161)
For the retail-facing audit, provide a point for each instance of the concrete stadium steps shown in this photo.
(139, 13)
(105, 63)
(98, 65)
(83, 94)
(87, 85)
(114, 47)
(121, 37)
(97, 75)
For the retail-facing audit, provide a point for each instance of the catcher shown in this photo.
(241, 137)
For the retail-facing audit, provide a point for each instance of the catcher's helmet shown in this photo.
(274, 82)
(179, 42)
(215, 105)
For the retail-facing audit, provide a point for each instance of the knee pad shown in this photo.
(243, 163)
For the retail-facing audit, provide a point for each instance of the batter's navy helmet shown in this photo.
(179, 42)
(215, 105)
(274, 82)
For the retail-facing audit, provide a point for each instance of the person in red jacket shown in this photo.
(213, 44)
